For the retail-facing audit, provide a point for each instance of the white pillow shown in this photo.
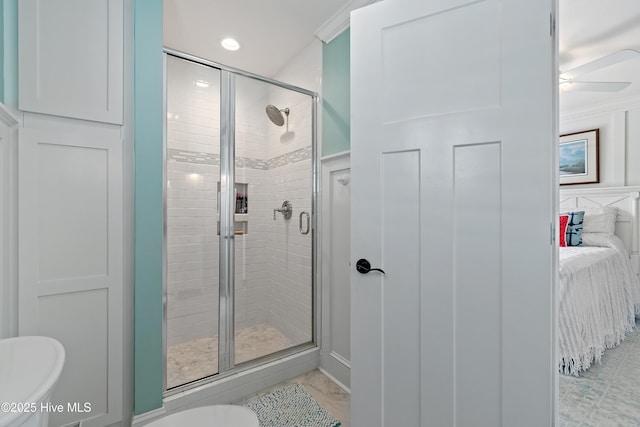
(604, 241)
(600, 219)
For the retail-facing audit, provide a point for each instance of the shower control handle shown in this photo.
(286, 210)
(303, 213)
(363, 266)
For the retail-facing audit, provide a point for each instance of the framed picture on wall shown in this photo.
(579, 158)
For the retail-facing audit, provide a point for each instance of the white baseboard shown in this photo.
(335, 380)
(147, 417)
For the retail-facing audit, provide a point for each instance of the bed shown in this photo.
(599, 290)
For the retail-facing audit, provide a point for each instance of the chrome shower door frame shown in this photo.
(226, 344)
(227, 221)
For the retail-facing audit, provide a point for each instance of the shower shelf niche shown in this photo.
(241, 216)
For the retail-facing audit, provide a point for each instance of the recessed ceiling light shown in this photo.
(201, 83)
(230, 44)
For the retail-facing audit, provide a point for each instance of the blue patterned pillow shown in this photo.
(574, 228)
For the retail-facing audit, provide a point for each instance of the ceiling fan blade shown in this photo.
(614, 58)
(593, 86)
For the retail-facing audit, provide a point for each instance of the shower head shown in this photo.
(275, 114)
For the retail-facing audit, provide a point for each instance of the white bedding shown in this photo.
(599, 299)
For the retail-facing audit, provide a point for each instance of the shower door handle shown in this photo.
(300, 222)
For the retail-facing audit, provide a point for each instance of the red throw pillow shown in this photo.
(564, 219)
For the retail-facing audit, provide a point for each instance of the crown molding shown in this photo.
(6, 116)
(625, 104)
(340, 20)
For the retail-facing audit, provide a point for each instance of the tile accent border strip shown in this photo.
(241, 162)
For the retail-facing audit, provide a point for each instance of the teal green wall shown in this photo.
(9, 54)
(336, 102)
(2, 52)
(148, 204)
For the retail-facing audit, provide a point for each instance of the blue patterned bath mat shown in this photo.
(291, 406)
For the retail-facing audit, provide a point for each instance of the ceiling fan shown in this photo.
(568, 82)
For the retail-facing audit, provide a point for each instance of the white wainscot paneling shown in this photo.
(633, 146)
(71, 58)
(72, 212)
(85, 375)
(336, 291)
(8, 221)
(70, 264)
(619, 145)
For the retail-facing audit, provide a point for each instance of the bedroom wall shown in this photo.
(619, 124)
(633, 146)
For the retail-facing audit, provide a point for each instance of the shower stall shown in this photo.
(240, 189)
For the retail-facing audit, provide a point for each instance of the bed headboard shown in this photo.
(626, 199)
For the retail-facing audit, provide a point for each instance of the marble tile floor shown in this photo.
(607, 394)
(198, 358)
(327, 393)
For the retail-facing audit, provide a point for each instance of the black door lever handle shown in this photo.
(363, 266)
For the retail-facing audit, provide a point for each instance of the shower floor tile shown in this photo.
(192, 360)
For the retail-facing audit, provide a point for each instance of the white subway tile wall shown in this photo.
(192, 251)
(290, 271)
(273, 260)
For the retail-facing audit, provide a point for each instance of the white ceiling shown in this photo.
(591, 29)
(272, 32)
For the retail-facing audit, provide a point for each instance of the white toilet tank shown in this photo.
(29, 370)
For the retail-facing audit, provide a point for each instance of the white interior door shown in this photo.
(453, 141)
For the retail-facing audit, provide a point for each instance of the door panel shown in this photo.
(477, 284)
(472, 36)
(400, 310)
(453, 139)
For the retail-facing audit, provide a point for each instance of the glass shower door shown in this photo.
(239, 220)
(192, 241)
(273, 189)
